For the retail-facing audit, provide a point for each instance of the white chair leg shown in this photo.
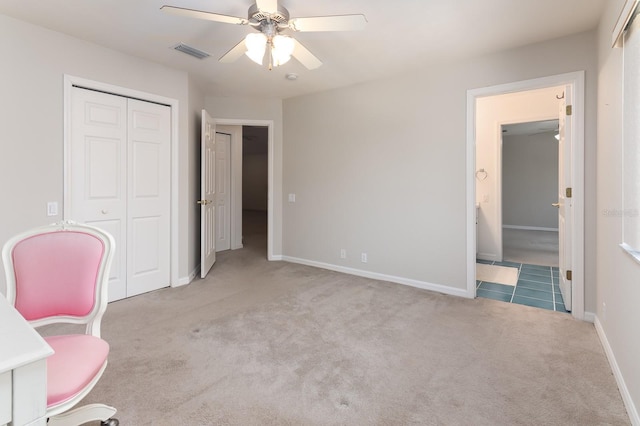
(84, 414)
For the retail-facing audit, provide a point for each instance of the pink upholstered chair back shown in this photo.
(59, 273)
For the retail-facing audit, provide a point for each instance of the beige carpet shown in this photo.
(497, 274)
(260, 343)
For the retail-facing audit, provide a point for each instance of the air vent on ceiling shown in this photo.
(191, 51)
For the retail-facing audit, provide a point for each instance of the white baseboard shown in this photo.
(487, 256)
(530, 228)
(589, 317)
(382, 277)
(624, 391)
(187, 280)
(276, 257)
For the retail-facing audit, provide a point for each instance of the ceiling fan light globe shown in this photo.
(256, 44)
(283, 44)
(279, 59)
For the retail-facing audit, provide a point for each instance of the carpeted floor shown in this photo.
(272, 343)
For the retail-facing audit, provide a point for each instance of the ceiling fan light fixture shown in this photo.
(282, 49)
(256, 44)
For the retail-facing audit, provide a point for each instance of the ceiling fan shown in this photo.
(271, 20)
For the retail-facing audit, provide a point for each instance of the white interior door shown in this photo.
(98, 186)
(120, 155)
(148, 202)
(564, 198)
(223, 191)
(207, 194)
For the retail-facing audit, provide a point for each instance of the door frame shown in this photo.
(236, 164)
(577, 81)
(69, 82)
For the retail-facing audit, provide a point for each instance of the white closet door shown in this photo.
(120, 181)
(97, 184)
(148, 202)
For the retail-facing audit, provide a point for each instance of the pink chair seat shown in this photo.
(77, 360)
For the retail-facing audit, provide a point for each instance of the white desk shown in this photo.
(23, 370)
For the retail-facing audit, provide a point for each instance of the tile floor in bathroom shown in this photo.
(537, 286)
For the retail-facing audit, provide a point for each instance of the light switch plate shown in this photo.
(52, 208)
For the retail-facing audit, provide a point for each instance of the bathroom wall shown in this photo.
(530, 181)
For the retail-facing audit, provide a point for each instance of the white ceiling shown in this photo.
(400, 35)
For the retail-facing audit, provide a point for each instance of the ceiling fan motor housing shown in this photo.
(280, 17)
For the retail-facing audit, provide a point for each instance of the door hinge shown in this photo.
(568, 192)
(569, 275)
(569, 110)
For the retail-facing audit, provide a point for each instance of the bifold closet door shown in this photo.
(119, 181)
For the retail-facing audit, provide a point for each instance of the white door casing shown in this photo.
(565, 199)
(223, 191)
(120, 152)
(207, 194)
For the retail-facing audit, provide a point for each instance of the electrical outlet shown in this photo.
(292, 198)
(363, 257)
(343, 254)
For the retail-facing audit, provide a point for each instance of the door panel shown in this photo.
(148, 206)
(98, 160)
(223, 191)
(207, 195)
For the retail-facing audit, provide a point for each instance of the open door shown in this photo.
(564, 203)
(207, 195)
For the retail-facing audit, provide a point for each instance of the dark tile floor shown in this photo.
(537, 286)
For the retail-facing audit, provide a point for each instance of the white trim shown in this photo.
(621, 24)
(69, 82)
(192, 275)
(382, 277)
(576, 80)
(530, 228)
(269, 124)
(632, 411)
(589, 317)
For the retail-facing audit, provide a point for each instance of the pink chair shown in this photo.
(59, 274)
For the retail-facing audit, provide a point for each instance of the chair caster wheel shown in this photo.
(110, 422)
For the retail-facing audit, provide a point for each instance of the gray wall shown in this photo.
(380, 167)
(618, 274)
(530, 180)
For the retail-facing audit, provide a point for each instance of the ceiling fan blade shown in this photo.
(199, 14)
(305, 57)
(234, 54)
(329, 23)
(269, 6)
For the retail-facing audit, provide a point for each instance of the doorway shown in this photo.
(529, 192)
(255, 185)
(235, 128)
(482, 198)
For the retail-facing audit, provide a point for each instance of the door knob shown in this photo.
(104, 211)
(203, 202)
(556, 205)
